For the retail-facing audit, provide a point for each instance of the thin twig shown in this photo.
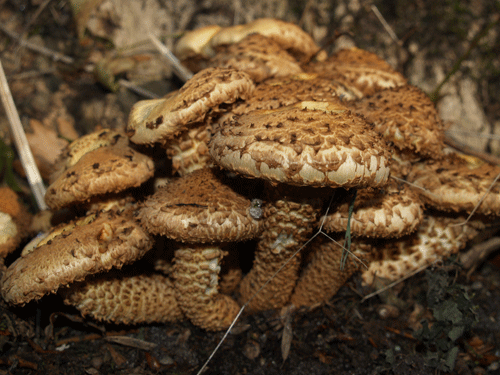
(478, 253)
(23, 148)
(56, 56)
(391, 285)
(386, 26)
(470, 151)
(182, 72)
(137, 89)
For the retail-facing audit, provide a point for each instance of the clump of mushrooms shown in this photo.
(265, 104)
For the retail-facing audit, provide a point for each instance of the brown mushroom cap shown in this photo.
(158, 120)
(72, 251)
(105, 170)
(14, 221)
(74, 151)
(406, 117)
(361, 71)
(457, 184)
(280, 92)
(308, 143)
(259, 56)
(198, 208)
(393, 211)
(288, 35)
(193, 42)
(125, 299)
(437, 238)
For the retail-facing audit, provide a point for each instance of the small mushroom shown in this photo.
(258, 56)
(201, 211)
(70, 252)
(289, 36)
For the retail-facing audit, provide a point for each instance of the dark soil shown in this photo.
(344, 336)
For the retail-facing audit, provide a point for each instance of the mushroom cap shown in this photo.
(288, 35)
(393, 211)
(308, 143)
(200, 207)
(125, 299)
(193, 42)
(14, 221)
(74, 151)
(259, 56)
(361, 71)
(104, 170)
(437, 237)
(405, 116)
(457, 184)
(72, 251)
(280, 92)
(158, 120)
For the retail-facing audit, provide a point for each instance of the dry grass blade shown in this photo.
(23, 149)
(132, 342)
(183, 73)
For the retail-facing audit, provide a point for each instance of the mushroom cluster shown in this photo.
(266, 135)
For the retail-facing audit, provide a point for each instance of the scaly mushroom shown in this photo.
(70, 252)
(318, 144)
(201, 211)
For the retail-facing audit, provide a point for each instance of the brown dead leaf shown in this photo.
(45, 145)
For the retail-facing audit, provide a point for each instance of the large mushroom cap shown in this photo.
(289, 36)
(406, 117)
(104, 170)
(308, 143)
(158, 120)
(72, 251)
(199, 207)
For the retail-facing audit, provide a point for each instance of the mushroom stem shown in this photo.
(324, 274)
(196, 278)
(288, 224)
